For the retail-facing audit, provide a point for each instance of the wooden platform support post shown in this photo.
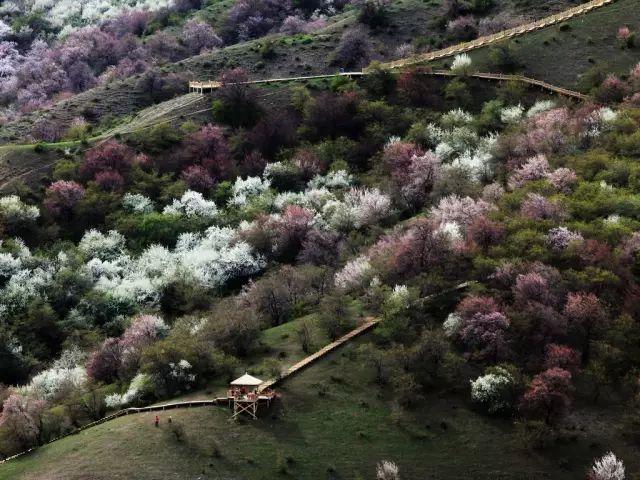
(245, 406)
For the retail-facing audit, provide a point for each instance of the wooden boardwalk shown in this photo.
(368, 324)
(516, 78)
(202, 87)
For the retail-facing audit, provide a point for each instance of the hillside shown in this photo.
(331, 423)
(565, 54)
(410, 22)
(436, 266)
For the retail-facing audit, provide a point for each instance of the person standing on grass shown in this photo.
(157, 421)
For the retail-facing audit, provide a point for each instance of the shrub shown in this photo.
(374, 13)
(354, 49)
(462, 64)
(494, 390)
(237, 103)
(62, 196)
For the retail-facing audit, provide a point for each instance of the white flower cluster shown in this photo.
(206, 259)
(492, 389)
(456, 118)
(133, 393)
(252, 187)
(50, 383)
(360, 207)
(400, 296)
(74, 13)
(15, 210)
(599, 121)
(137, 203)
(95, 244)
(192, 204)
(608, 468)
(461, 63)
(334, 179)
(512, 114)
(353, 274)
(459, 146)
(181, 371)
(540, 106)
(9, 265)
(452, 325)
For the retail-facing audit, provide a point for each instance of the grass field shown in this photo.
(560, 54)
(332, 423)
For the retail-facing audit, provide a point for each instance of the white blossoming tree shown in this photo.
(493, 390)
(192, 204)
(608, 467)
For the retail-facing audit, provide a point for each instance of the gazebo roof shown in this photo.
(247, 381)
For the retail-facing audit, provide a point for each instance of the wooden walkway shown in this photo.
(500, 36)
(516, 78)
(210, 85)
(368, 324)
(202, 87)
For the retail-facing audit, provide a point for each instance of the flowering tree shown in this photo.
(62, 196)
(354, 48)
(607, 468)
(192, 204)
(586, 316)
(110, 155)
(563, 179)
(14, 211)
(291, 229)
(254, 18)
(561, 356)
(460, 210)
(199, 36)
(109, 180)
(537, 207)
(560, 238)
(415, 181)
(484, 232)
(485, 333)
(549, 393)
(462, 63)
(321, 247)
(143, 331)
(21, 419)
(387, 470)
(209, 148)
(353, 274)
(402, 254)
(197, 178)
(535, 168)
(463, 28)
(104, 363)
(530, 287)
(494, 389)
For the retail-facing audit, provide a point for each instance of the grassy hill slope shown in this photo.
(332, 423)
(562, 53)
(410, 21)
